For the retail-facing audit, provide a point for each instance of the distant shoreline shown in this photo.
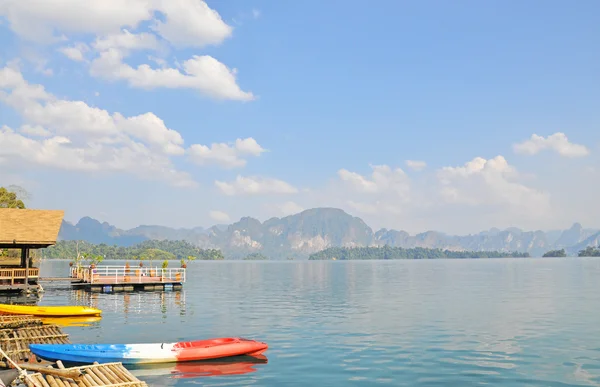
(168, 251)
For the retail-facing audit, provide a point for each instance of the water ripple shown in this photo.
(403, 323)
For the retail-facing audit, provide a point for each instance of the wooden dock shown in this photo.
(113, 279)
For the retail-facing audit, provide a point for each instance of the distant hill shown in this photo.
(298, 236)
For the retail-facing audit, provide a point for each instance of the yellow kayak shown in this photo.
(54, 311)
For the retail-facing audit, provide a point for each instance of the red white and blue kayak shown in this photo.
(149, 353)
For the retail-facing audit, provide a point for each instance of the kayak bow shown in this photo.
(54, 311)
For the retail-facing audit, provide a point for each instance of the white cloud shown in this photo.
(61, 153)
(255, 185)
(84, 138)
(182, 23)
(35, 130)
(376, 207)
(490, 182)
(76, 118)
(125, 40)
(255, 13)
(191, 23)
(203, 73)
(226, 155)
(75, 52)
(219, 216)
(416, 165)
(289, 208)
(479, 194)
(383, 179)
(187, 22)
(386, 192)
(557, 142)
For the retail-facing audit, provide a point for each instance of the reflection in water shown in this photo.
(238, 365)
(127, 303)
(80, 321)
(21, 299)
(503, 322)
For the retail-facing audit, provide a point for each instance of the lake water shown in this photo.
(501, 322)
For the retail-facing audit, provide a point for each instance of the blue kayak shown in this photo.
(149, 353)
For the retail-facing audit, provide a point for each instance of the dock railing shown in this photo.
(19, 273)
(124, 275)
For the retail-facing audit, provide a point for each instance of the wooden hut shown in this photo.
(25, 230)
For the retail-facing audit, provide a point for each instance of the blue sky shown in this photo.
(329, 100)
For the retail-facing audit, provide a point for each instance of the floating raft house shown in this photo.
(25, 230)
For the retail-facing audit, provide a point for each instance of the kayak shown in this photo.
(54, 311)
(147, 353)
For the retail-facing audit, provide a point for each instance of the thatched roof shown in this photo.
(29, 228)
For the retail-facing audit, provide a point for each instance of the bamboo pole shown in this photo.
(100, 375)
(71, 373)
(21, 371)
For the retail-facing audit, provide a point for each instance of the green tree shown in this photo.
(590, 251)
(11, 197)
(255, 257)
(147, 250)
(555, 253)
(92, 259)
(387, 252)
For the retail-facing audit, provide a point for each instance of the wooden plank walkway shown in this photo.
(58, 279)
(126, 280)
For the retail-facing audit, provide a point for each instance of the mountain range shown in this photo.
(316, 229)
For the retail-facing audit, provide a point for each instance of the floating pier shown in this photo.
(113, 279)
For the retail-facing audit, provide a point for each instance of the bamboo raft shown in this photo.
(18, 321)
(15, 342)
(105, 375)
(17, 332)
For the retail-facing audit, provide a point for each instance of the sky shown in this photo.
(418, 115)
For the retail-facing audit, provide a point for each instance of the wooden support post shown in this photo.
(25, 260)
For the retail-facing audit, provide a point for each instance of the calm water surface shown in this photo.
(504, 322)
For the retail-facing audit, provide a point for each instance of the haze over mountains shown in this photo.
(319, 228)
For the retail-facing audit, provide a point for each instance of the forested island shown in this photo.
(170, 250)
(555, 254)
(387, 252)
(590, 252)
(256, 257)
(148, 250)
